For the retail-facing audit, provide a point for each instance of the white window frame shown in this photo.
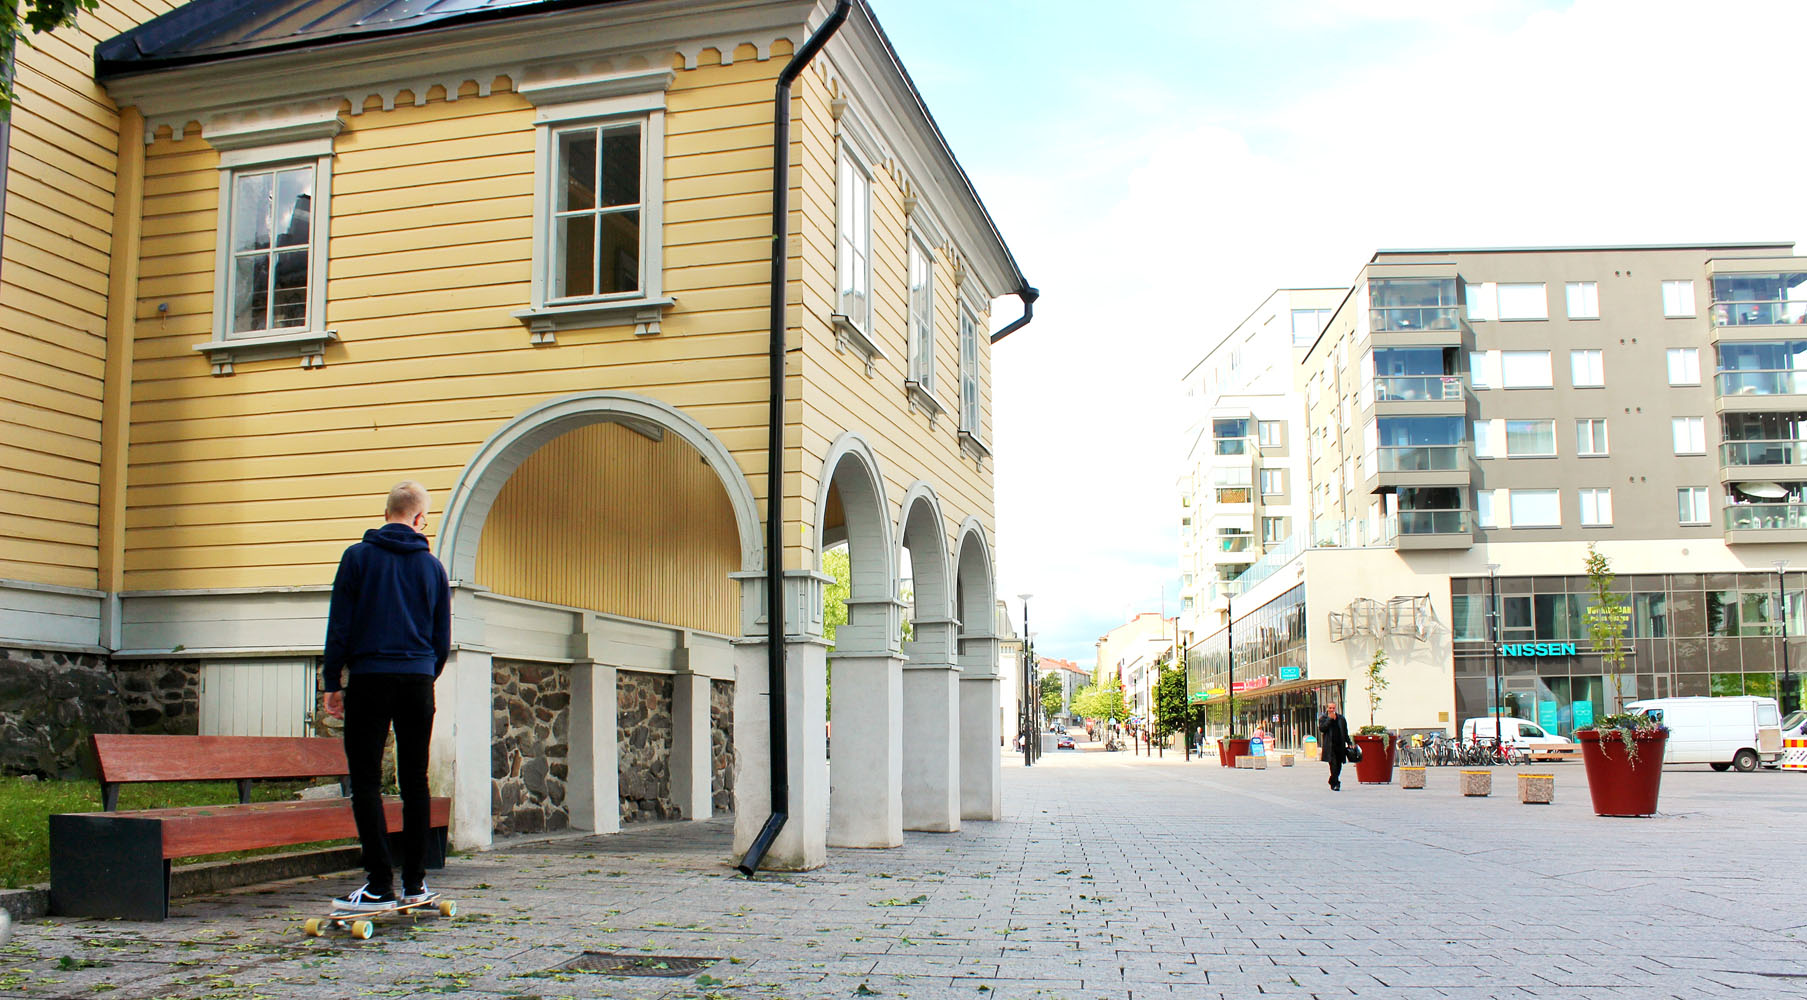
(1486, 514)
(1480, 300)
(1507, 439)
(1276, 439)
(600, 101)
(1275, 476)
(849, 163)
(969, 372)
(1595, 507)
(1516, 294)
(1678, 298)
(1688, 435)
(1587, 368)
(1699, 507)
(1585, 444)
(1690, 365)
(1545, 371)
(1553, 497)
(1582, 298)
(1483, 369)
(1486, 441)
(922, 312)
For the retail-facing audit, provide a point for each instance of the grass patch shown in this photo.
(25, 808)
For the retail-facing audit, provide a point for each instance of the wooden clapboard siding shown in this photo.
(54, 258)
(607, 519)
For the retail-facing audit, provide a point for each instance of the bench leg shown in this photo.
(108, 866)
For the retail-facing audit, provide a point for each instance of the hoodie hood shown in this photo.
(398, 538)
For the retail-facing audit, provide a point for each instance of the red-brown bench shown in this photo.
(116, 864)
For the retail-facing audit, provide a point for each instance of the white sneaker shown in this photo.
(411, 898)
(365, 901)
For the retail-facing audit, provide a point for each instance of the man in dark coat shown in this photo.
(1333, 737)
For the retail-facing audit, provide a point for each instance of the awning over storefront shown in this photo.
(1284, 687)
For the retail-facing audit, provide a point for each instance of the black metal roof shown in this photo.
(210, 30)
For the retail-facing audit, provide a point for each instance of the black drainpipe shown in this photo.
(774, 468)
(1028, 295)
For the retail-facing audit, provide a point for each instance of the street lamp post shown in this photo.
(1028, 713)
(1782, 632)
(1229, 630)
(1493, 642)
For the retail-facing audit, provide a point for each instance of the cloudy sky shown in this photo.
(1159, 168)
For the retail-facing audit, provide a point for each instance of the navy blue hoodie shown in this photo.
(391, 609)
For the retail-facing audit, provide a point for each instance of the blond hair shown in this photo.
(406, 499)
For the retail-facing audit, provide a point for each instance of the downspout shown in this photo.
(1028, 295)
(774, 481)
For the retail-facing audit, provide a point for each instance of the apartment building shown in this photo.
(1478, 419)
(1242, 480)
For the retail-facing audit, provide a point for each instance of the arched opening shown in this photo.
(975, 602)
(931, 695)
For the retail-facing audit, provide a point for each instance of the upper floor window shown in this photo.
(1583, 299)
(1523, 301)
(1307, 324)
(1760, 299)
(922, 314)
(1412, 304)
(1684, 365)
(1272, 433)
(1525, 369)
(1691, 505)
(1678, 298)
(596, 234)
(854, 239)
(272, 260)
(1587, 369)
(1590, 436)
(969, 373)
(1530, 438)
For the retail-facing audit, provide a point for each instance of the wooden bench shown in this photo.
(116, 864)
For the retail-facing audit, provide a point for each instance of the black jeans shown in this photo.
(1336, 768)
(373, 702)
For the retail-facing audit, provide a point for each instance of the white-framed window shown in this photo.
(1690, 435)
(1479, 297)
(1483, 369)
(1483, 509)
(1583, 299)
(1307, 324)
(1273, 529)
(853, 240)
(1530, 438)
(922, 314)
(1691, 505)
(1273, 482)
(969, 372)
(1590, 436)
(1678, 299)
(1587, 369)
(1526, 370)
(1596, 507)
(1272, 433)
(1523, 300)
(1684, 365)
(1484, 444)
(598, 206)
(1536, 508)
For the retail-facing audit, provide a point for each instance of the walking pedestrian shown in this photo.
(1333, 740)
(388, 633)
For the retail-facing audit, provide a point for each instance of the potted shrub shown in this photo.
(1378, 747)
(1231, 747)
(1623, 755)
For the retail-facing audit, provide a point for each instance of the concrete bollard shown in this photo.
(1477, 783)
(1286, 759)
(1537, 789)
(1411, 777)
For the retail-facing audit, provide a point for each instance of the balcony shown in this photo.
(1235, 543)
(1407, 395)
(1749, 389)
(1414, 319)
(1434, 529)
(1765, 522)
(1771, 313)
(1762, 453)
(1391, 467)
(1232, 446)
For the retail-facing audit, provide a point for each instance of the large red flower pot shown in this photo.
(1618, 784)
(1376, 765)
(1229, 750)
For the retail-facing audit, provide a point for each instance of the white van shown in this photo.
(1521, 733)
(1738, 732)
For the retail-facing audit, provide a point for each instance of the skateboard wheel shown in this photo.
(311, 926)
(447, 908)
(362, 929)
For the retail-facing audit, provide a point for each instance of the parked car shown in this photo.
(1066, 743)
(1795, 726)
(1522, 734)
(1731, 732)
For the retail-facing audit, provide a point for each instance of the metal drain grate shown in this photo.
(611, 964)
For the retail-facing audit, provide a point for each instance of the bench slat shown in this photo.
(127, 758)
(188, 833)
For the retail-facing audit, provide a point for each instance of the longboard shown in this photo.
(362, 923)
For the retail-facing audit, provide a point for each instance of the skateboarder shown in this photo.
(388, 633)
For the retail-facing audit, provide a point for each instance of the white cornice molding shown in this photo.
(573, 88)
(249, 129)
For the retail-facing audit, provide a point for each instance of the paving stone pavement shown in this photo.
(1111, 876)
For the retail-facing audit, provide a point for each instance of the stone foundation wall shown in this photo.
(721, 744)
(49, 704)
(160, 696)
(645, 733)
(529, 757)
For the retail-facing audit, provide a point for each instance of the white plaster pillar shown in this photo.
(802, 844)
(931, 717)
(866, 770)
(691, 752)
(593, 784)
(458, 762)
(981, 763)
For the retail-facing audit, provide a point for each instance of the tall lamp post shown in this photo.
(1493, 643)
(1028, 713)
(1229, 631)
(1782, 633)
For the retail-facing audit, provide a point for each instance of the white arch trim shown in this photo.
(498, 458)
(921, 492)
(973, 533)
(850, 445)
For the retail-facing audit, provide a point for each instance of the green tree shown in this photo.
(836, 562)
(1377, 680)
(1606, 620)
(1052, 689)
(1102, 701)
(1171, 713)
(17, 18)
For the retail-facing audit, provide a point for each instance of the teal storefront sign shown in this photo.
(1289, 673)
(1537, 649)
(1546, 715)
(1584, 714)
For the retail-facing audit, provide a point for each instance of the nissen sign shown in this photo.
(1537, 649)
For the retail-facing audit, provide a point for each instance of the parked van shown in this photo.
(1738, 732)
(1521, 733)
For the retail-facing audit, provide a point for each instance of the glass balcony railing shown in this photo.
(1421, 458)
(1413, 318)
(1745, 453)
(1762, 383)
(1235, 543)
(1435, 522)
(1769, 313)
(1232, 446)
(1434, 388)
(1765, 516)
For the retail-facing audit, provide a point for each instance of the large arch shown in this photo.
(931, 686)
(976, 608)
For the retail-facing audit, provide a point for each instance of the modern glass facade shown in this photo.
(1270, 672)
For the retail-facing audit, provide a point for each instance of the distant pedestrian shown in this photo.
(1333, 740)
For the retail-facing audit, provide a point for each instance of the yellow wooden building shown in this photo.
(261, 261)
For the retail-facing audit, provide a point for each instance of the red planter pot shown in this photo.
(1619, 785)
(1376, 765)
(1229, 750)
